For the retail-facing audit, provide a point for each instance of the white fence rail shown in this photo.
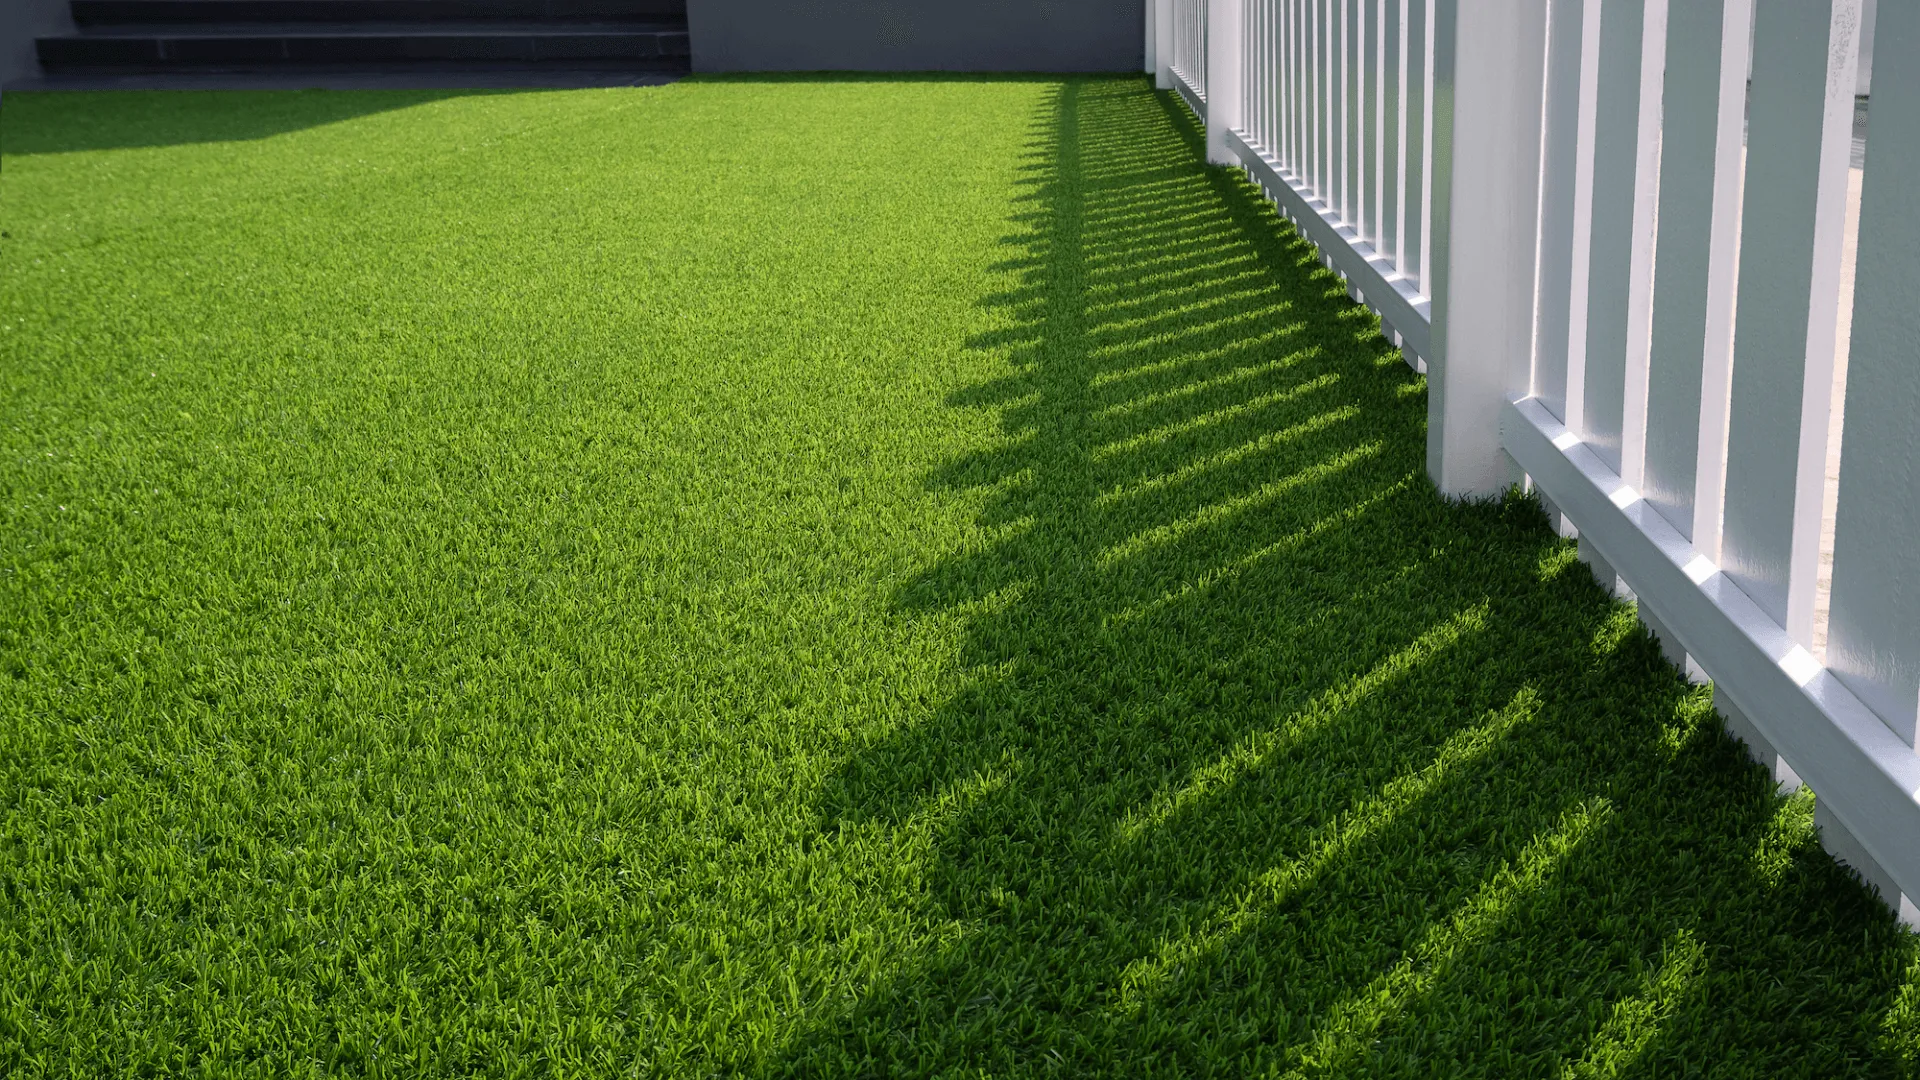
(1629, 283)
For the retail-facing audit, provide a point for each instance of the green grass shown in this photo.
(814, 578)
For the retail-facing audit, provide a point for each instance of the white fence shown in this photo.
(1187, 55)
(1631, 284)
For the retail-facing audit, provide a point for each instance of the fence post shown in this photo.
(1160, 43)
(1150, 55)
(1489, 78)
(1226, 97)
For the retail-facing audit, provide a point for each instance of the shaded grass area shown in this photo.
(786, 577)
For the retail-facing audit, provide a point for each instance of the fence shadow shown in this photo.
(1270, 758)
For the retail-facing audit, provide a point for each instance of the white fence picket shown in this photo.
(1691, 105)
(1560, 137)
(1874, 634)
(1798, 129)
(1612, 239)
(1723, 267)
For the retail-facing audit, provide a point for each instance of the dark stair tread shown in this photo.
(237, 35)
(664, 49)
(363, 30)
(94, 13)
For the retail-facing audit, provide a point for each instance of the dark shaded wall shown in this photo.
(917, 35)
(20, 22)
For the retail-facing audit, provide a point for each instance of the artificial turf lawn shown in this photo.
(811, 577)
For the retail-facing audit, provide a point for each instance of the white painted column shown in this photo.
(1799, 128)
(1489, 59)
(1226, 94)
(1150, 56)
(1873, 642)
(1166, 41)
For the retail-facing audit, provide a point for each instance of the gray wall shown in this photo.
(916, 35)
(20, 22)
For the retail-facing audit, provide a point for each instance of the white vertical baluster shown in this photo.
(1276, 82)
(1723, 275)
(1416, 127)
(1252, 65)
(1290, 57)
(1873, 642)
(1378, 80)
(1691, 113)
(1362, 84)
(1350, 113)
(1283, 76)
(1430, 27)
(1336, 158)
(1583, 195)
(1610, 270)
(1486, 170)
(1313, 64)
(1560, 155)
(1324, 120)
(1277, 15)
(1290, 81)
(1197, 45)
(1263, 74)
(1243, 82)
(1329, 164)
(1402, 99)
(1303, 84)
(1255, 72)
(1392, 42)
(1799, 128)
(1343, 183)
(1646, 196)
